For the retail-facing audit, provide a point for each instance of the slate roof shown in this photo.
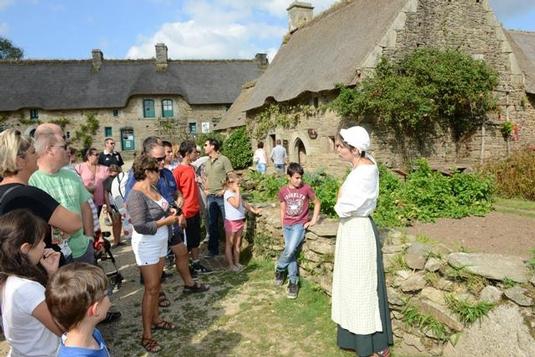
(523, 45)
(60, 85)
(235, 115)
(327, 50)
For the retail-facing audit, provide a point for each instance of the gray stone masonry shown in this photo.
(428, 291)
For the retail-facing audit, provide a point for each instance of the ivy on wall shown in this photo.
(428, 89)
(278, 115)
(85, 133)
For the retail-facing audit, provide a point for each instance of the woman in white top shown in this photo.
(25, 266)
(359, 302)
(260, 158)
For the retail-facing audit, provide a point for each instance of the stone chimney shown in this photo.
(261, 59)
(161, 56)
(299, 13)
(98, 58)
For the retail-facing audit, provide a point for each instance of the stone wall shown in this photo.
(468, 25)
(423, 276)
(130, 116)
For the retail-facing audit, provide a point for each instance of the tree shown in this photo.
(9, 51)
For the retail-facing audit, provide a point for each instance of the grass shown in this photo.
(474, 283)
(509, 283)
(515, 206)
(531, 261)
(467, 311)
(425, 323)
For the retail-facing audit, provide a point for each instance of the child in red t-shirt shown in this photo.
(294, 201)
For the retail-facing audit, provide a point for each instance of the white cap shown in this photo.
(357, 137)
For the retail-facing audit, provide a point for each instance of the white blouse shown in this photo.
(358, 194)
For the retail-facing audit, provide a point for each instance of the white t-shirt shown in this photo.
(26, 335)
(260, 156)
(232, 213)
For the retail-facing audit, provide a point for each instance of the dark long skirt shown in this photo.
(366, 345)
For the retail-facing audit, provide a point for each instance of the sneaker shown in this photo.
(200, 269)
(111, 316)
(196, 288)
(293, 289)
(234, 269)
(279, 278)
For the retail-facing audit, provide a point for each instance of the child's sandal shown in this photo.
(150, 345)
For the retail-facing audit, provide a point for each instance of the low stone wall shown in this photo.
(422, 279)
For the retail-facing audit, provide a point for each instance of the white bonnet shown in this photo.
(357, 137)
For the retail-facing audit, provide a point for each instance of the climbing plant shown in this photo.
(62, 122)
(85, 133)
(426, 90)
(278, 115)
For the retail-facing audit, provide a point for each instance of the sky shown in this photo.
(201, 29)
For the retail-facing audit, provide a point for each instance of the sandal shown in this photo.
(196, 288)
(150, 345)
(163, 325)
(383, 353)
(163, 301)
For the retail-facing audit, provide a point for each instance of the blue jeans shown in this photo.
(216, 206)
(293, 238)
(280, 168)
(261, 168)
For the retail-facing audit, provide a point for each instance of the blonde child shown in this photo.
(25, 266)
(234, 220)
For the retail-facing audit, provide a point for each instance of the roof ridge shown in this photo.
(332, 9)
(521, 31)
(119, 61)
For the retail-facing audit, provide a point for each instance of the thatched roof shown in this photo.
(235, 116)
(523, 45)
(326, 51)
(60, 85)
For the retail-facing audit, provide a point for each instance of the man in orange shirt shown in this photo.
(185, 179)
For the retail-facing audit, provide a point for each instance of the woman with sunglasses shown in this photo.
(18, 161)
(152, 218)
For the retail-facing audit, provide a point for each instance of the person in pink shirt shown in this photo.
(93, 176)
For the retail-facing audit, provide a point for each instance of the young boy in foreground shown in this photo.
(77, 297)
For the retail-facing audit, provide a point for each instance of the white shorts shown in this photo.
(148, 249)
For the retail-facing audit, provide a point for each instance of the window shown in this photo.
(148, 108)
(34, 114)
(192, 128)
(107, 131)
(167, 108)
(115, 112)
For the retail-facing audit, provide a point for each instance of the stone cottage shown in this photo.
(131, 99)
(344, 44)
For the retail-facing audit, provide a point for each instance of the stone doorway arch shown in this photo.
(300, 150)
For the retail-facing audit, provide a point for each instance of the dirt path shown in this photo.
(501, 233)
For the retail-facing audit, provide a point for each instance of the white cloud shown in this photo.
(214, 29)
(4, 28)
(5, 3)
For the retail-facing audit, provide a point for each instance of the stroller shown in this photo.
(100, 241)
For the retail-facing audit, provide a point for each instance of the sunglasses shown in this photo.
(160, 159)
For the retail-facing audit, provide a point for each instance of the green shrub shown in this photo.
(514, 176)
(326, 188)
(237, 147)
(201, 138)
(426, 195)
